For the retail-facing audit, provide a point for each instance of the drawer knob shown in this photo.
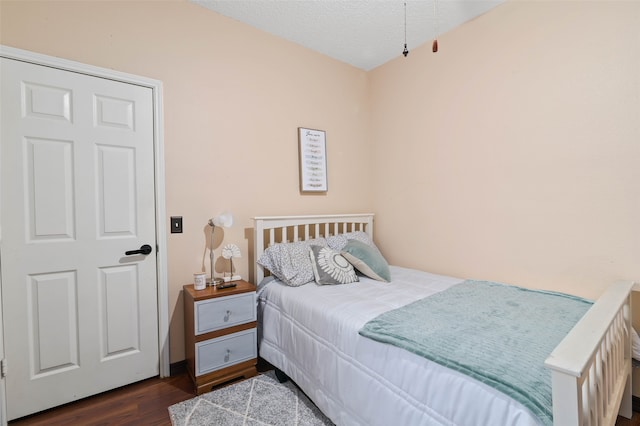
(227, 316)
(227, 355)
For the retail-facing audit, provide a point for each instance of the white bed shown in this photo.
(311, 334)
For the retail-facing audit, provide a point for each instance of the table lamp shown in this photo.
(224, 220)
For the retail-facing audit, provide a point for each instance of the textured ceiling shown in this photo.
(363, 33)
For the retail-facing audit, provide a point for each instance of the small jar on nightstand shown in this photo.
(220, 334)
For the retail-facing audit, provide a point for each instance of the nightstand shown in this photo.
(220, 334)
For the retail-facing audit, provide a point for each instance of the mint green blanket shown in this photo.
(495, 333)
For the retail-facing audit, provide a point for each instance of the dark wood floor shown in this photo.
(143, 403)
(635, 420)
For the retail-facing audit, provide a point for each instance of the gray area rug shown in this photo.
(261, 400)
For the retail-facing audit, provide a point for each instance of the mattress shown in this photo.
(311, 334)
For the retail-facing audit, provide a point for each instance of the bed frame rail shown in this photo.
(280, 229)
(591, 367)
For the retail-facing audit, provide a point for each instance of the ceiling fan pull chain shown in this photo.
(434, 48)
(405, 52)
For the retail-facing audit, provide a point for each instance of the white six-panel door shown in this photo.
(77, 192)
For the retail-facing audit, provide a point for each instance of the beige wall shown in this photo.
(233, 100)
(513, 153)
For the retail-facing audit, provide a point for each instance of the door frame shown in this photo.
(158, 147)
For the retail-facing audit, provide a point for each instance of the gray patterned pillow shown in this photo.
(290, 261)
(338, 242)
(330, 267)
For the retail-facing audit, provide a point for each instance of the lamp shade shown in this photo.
(224, 220)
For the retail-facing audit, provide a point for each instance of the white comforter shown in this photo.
(311, 333)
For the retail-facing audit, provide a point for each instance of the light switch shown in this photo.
(176, 224)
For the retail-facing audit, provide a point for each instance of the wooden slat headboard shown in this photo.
(281, 229)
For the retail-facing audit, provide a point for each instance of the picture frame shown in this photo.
(312, 153)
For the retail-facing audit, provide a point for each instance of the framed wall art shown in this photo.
(312, 150)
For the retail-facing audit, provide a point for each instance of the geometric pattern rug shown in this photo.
(261, 400)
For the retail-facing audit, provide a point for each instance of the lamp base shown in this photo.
(215, 282)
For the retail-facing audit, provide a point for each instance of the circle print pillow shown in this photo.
(330, 267)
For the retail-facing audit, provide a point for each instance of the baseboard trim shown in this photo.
(180, 367)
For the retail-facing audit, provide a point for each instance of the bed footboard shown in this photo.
(591, 367)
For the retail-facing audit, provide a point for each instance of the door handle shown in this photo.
(145, 249)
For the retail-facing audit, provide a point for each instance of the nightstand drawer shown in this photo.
(215, 354)
(224, 312)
